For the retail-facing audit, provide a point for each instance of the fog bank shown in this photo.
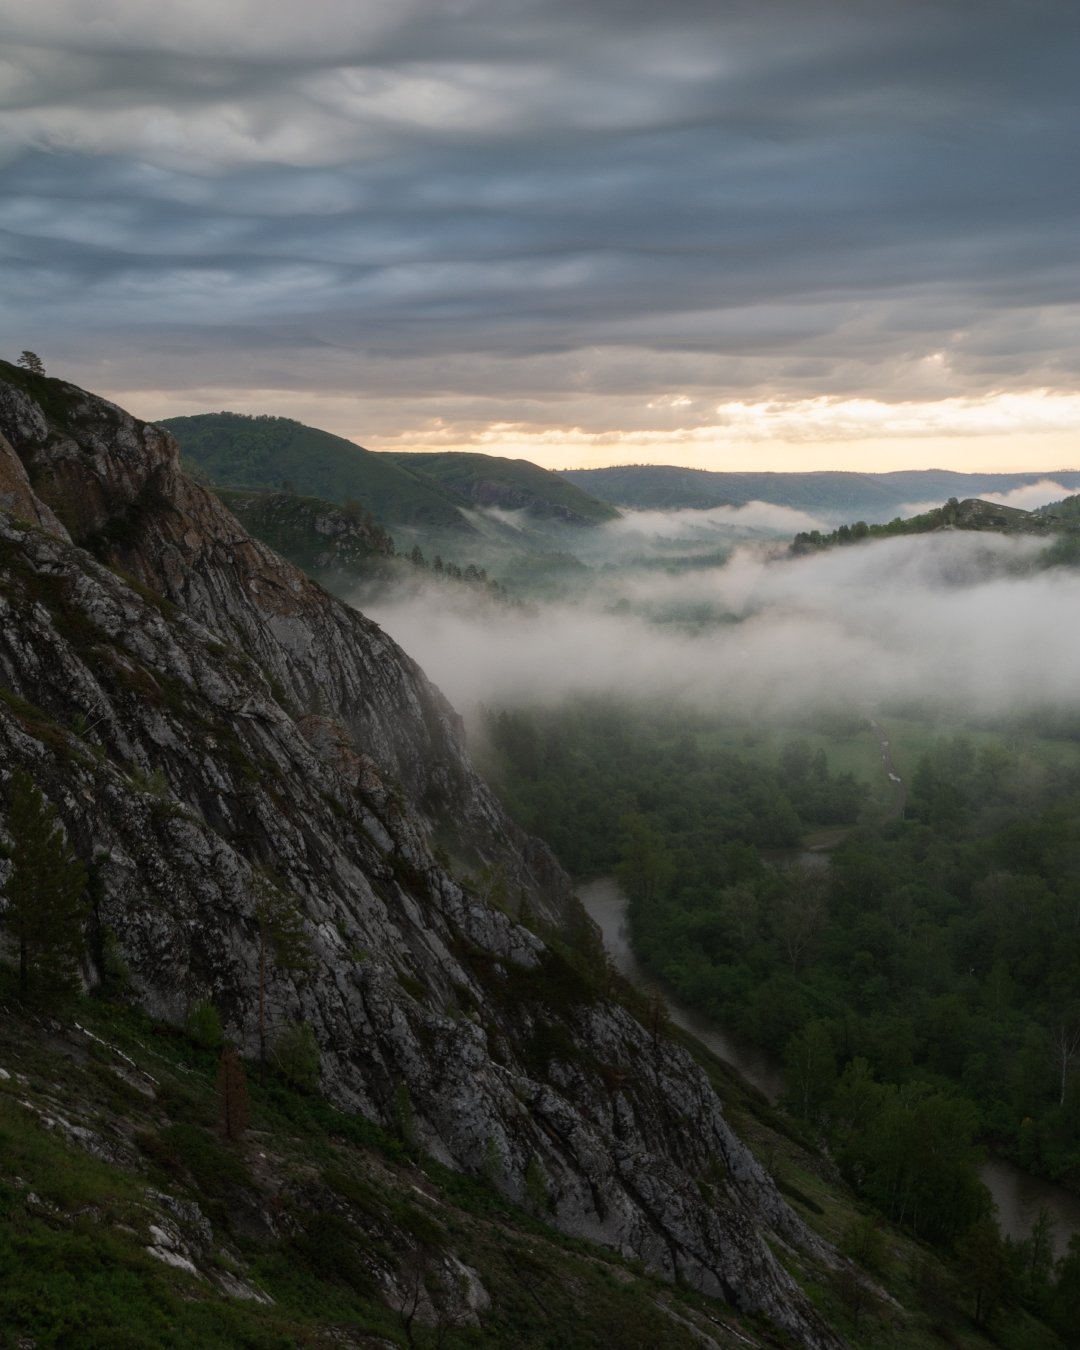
(952, 618)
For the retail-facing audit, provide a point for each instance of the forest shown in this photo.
(922, 989)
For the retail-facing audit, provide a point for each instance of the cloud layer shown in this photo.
(596, 219)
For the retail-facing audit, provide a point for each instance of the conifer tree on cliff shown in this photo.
(45, 907)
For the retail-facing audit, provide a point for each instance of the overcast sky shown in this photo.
(772, 234)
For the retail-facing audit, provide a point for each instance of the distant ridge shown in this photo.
(513, 484)
(873, 497)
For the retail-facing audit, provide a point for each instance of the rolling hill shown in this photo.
(237, 451)
(514, 484)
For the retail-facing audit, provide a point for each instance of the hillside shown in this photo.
(233, 754)
(833, 495)
(972, 514)
(513, 484)
(266, 452)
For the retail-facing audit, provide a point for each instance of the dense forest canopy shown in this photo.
(923, 989)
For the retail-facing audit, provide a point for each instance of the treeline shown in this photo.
(1061, 518)
(470, 575)
(813, 541)
(575, 774)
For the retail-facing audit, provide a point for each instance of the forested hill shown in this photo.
(268, 452)
(513, 484)
(430, 491)
(973, 514)
(1059, 523)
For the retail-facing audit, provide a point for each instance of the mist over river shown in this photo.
(1018, 1194)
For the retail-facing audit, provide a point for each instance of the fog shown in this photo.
(696, 524)
(954, 619)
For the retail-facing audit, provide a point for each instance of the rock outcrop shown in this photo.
(197, 709)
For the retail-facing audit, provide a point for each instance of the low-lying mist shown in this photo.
(953, 620)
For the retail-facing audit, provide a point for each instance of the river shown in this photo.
(1018, 1194)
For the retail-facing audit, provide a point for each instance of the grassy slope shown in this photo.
(264, 452)
(75, 1273)
(458, 471)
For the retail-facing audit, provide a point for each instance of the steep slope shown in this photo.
(195, 706)
(263, 452)
(514, 484)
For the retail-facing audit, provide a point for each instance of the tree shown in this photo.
(536, 1192)
(811, 1066)
(983, 1267)
(203, 1025)
(45, 906)
(917, 1162)
(282, 940)
(1066, 1051)
(801, 914)
(296, 1054)
(232, 1095)
(740, 905)
(32, 362)
(1066, 1297)
(646, 864)
(864, 1242)
(855, 1294)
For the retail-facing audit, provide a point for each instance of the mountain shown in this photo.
(266, 452)
(208, 722)
(513, 484)
(873, 497)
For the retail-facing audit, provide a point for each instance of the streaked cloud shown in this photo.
(799, 224)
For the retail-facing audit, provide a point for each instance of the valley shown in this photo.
(296, 882)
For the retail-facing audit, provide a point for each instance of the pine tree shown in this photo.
(45, 906)
(232, 1095)
(984, 1268)
(32, 362)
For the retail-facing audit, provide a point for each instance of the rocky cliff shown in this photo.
(196, 707)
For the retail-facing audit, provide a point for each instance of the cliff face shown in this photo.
(195, 706)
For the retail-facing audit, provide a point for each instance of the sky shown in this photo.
(730, 234)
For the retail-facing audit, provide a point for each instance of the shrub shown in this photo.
(204, 1025)
(296, 1054)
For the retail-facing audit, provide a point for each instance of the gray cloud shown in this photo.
(779, 197)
